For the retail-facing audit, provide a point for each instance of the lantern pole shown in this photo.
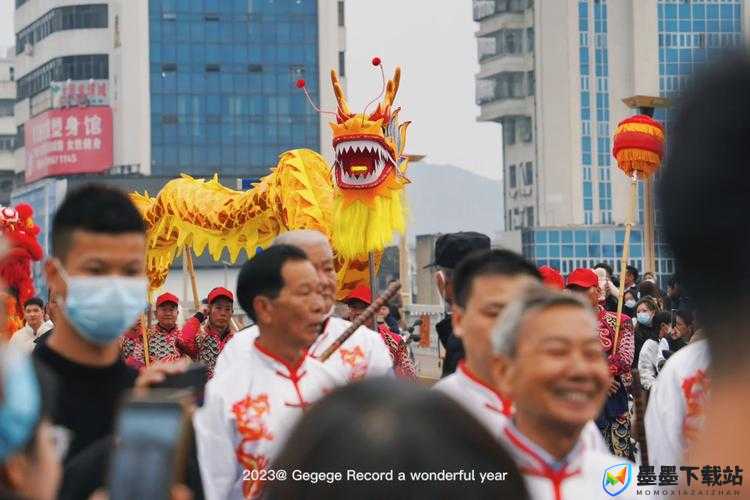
(646, 105)
(626, 252)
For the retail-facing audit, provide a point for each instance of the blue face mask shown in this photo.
(101, 308)
(20, 407)
(644, 318)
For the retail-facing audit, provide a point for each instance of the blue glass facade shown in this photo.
(603, 149)
(569, 248)
(222, 72)
(690, 33)
(585, 72)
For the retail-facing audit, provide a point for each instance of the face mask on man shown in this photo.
(101, 308)
(644, 318)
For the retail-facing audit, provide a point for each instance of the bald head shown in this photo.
(318, 249)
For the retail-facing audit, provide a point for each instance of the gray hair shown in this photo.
(535, 298)
(302, 238)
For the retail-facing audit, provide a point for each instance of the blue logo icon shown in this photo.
(617, 478)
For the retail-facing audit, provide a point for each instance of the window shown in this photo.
(168, 67)
(213, 68)
(63, 68)
(516, 84)
(524, 128)
(341, 13)
(7, 142)
(254, 68)
(529, 39)
(513, 41)
(529, 216)
(531, 83)
(342, 63)
(512, 176)
(62, 18)
(509, 131)
(6, 107)
(528, 174)
(19, 136)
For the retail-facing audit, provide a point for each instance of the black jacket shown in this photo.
(454, 348)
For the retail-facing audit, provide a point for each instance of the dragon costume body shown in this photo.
(358, 202)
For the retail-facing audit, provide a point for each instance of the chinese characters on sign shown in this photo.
(80, 93)
(68, 141)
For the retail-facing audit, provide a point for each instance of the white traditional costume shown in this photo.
(492, 409)
(583, 474)
(364, 353)
(675, 409)
(250, 407)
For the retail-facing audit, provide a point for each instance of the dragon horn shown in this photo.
(340, 97)
(392, 88)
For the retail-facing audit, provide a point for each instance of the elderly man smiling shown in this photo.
(548, 360)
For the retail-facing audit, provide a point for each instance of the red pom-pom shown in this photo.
(300, 83)
(24, 210)
(376, 61)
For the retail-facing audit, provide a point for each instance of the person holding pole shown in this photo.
(208, 331)
(614, 420)
(163, 337)
(363, 354)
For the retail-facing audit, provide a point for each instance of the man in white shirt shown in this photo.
(36, 326)
(676, 407)
(363, 354)
(250, 407)
(549, 361)
(483, 284)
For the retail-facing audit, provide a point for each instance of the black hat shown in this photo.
(452, 247)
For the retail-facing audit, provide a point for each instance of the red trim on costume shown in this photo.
(293, 376)
(556, 476)
(506, 403)
(292, 368)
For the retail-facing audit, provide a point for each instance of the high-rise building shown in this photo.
(553, 74)
(143, 90)
(7, 124)
(159, 87)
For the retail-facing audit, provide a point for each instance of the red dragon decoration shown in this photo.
(20, 232)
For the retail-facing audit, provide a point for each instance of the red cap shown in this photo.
(219, 291)
(362, 292)
(583, 277)
(551, 277)
(167, 297)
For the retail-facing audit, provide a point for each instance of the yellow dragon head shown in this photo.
(369, 172)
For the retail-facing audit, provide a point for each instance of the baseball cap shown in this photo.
(551, 277)
(583, 277)
(452, 247)
(219, 292)
(362, 293)
(167, 297)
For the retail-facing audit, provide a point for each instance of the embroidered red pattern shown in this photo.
(250, 416)
(354, 359)
(695, 390)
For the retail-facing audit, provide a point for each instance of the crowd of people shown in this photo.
(547, 381)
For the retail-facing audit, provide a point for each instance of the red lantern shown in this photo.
(639, 145)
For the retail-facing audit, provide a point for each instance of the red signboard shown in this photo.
(68, 141)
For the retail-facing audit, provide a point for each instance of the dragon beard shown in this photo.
(368, 218)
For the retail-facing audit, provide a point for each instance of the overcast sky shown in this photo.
(433, 42)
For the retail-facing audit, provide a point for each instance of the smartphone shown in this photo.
(151, 437)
